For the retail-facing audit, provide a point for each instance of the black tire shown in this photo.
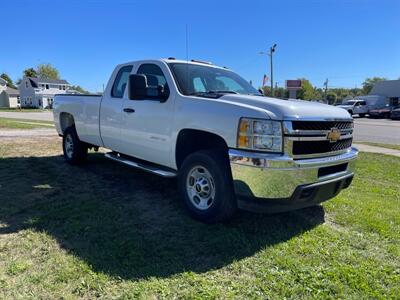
(361, 115)
(75, 151)
(223, 205)
(350, 112)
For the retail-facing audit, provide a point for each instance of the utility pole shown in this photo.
(326, 88)
(270, 54)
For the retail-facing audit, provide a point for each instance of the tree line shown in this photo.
(43, 71)
(331, 95)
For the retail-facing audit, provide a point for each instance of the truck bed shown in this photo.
(86, 111)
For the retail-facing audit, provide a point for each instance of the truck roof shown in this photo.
(173, 60)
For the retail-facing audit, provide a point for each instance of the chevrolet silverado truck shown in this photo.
(228, 145)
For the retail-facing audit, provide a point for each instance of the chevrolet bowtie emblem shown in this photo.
(333, 135)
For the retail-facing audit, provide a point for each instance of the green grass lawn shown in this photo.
(389, 146)
(8, 123)
(104, 230)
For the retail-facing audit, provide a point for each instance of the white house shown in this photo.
(39, 93)
(9, 97)
(3, 84)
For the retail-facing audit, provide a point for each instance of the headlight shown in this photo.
(262, 135)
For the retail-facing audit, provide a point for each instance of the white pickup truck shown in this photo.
(229, 146)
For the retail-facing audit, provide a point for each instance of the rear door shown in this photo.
(147, 124)
(111, 108)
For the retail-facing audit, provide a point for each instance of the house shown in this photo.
(389, 89)
(40, 92)
(9, 97)
(3, 84)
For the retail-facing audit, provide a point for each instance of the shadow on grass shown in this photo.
(128, 223)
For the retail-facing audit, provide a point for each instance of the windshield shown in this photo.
(209, 81)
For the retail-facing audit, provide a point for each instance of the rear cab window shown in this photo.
(121, 81)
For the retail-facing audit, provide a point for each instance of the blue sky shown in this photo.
(345, 41)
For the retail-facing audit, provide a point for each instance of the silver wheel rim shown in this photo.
(69, 146)
(200, 187)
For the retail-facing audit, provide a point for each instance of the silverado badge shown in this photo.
(333, 135)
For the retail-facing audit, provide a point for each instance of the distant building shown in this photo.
(39, 93)
(389, 89)
(3, 84)
(9, 97)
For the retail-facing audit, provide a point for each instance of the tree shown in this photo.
(47, 71)
(79, 89)
(331, 97)
(369, 83)
(266, 90)
(9, 80)
(307, 91)
(281, 92)
(30, 72)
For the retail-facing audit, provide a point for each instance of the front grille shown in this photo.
(323, 146)
(321, 125)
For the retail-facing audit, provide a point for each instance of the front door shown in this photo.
(146, 124)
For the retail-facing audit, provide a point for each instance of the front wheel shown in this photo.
(205, 184)
(361, 115)
(75, 151)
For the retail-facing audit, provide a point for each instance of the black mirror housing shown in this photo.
(140, 90)
(137, 86)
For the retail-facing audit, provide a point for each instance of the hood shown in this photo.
(278, 109)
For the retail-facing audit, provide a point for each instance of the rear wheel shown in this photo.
(75, 151)
(361, 115)
(205, 184)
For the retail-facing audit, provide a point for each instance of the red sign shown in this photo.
(293, 84)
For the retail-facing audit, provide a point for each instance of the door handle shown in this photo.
(129, 110)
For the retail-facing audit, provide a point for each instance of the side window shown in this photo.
(120, 82)
(156, 77)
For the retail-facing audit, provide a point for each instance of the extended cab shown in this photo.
(229, 146)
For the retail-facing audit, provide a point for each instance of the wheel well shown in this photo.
(66, 120)
(192, 140)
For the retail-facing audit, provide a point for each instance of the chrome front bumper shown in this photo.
(281, 180)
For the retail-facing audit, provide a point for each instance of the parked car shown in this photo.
(379, 113)
(395, 113)
(355, 107)
(229, 146)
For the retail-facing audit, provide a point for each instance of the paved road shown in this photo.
(377, 131)
(13, 133)
(366, 130)
(40, 116)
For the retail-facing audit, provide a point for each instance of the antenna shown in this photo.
(187, 44)
(187, 59)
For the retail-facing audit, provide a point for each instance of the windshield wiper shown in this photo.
(212, 93)
(224, 92)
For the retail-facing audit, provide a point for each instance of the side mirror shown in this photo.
(140, 90)
(137, 86)
(261, 92)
